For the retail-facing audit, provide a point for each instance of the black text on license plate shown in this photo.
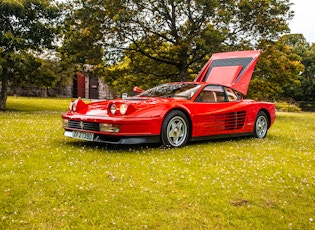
(83, 135)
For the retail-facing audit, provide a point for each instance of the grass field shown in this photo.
(48, 181)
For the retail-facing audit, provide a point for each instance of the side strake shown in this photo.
(232, 69)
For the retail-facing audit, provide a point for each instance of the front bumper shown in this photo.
(109, 139)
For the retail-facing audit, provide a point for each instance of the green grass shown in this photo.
(48, 181)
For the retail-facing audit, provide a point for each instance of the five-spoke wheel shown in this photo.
(175, 129)
(261, 125)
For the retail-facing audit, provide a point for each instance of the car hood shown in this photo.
(100, 108)
(232, 69)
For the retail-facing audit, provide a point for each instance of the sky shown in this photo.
(304, 19)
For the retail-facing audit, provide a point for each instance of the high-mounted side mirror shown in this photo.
(124, 95)
(137, 89)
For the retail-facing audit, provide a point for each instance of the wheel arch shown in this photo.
(267, 114)
(186, 114)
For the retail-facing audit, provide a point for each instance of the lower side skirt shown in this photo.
(222, 136)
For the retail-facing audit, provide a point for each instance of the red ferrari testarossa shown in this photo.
(211, 106)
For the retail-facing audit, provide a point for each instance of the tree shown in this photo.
(139, 70)
(307, 90)
(32, 71)
(278, 68)
(181, 34)
(26, 25)
(82, 35)
(299, 45)
(193, 29)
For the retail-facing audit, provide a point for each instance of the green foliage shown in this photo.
(49, 181)
(253, 21)
(308, 76)
(82, 34)
(139, 70)
(278, 67)
(149, 42)
(175, 35)
(193, 30)
(299, 45)
(26, 26)
(287, 107)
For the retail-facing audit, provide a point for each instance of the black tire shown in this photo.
(261, 125)
(175, 129)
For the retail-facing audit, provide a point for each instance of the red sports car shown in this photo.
(210, 107)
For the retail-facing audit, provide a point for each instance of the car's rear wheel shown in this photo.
(175, 129)
(261, 125)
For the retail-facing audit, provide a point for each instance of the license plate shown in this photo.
(83, 135)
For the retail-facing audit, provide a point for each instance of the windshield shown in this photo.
(173, 90)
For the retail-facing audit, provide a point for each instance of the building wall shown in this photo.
(85, 86)
(82, 86)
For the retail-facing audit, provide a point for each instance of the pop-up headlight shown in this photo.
(123, 109)
(113, 108)
(120, 109)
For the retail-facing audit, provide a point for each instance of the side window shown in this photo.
(211, 94)
(231, 96)
(220, 95)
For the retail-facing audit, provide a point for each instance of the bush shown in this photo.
(287, 107)
(307, 106)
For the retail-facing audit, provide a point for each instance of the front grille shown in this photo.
(92, 126)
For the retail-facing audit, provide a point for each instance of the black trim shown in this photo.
(126, 140)
(204, 138)
(82, 125)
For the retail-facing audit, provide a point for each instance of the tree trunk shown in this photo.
(183, 74)
(4, 89)
(183, 66)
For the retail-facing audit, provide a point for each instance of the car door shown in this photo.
(217, 111)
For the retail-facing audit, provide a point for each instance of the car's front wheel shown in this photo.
(261, 125)
(175, 129)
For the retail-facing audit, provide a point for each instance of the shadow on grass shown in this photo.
(136, 148)
(115, 148)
